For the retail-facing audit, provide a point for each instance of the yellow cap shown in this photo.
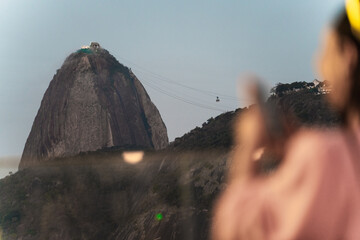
(353, 12)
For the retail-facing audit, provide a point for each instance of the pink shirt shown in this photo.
(315, 194)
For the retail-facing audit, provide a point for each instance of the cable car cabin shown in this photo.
(217, 99)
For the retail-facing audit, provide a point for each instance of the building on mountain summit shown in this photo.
(95, 45)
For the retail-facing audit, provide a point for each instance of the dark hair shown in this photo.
(345, 33)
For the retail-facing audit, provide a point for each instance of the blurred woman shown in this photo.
(315, 192)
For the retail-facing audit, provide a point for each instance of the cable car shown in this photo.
(217, 99)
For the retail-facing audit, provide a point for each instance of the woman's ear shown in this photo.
(350, 55)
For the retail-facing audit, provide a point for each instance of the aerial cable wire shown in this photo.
(209, 93)
(189, 102)
(213, 96)
(164, 79)
(183, 99)
(182, 93)
(189, 99)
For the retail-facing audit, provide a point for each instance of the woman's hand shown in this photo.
(250, 139)
(261, 133)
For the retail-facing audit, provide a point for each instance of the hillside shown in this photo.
(168, 195)
(302, 103)
(99, 196)
(215, 133)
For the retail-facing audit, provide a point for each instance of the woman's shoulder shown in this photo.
(317, 147)
(314, 156)
(318, 135)
(313, 140)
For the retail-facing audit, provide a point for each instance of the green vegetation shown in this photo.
(301, 102)
(216, 133)
(32, 232)
(306, 107)
(85, 50)
(286, 88)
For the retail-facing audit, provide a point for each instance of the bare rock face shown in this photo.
(93, 102)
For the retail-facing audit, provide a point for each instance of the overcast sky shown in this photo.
(205, 45)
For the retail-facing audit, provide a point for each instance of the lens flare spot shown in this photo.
(258, 154)
(133, 157)
(159, 216)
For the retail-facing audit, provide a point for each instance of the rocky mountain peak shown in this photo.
(93, 102)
